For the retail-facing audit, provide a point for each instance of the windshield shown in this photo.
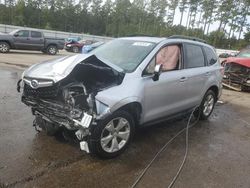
(126, 54)
(244, 53)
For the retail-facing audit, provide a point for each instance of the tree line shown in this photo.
(118, 18)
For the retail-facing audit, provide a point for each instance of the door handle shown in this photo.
(28, 38)
(183, 79)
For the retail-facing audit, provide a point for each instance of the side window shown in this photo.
(211, 56)
(22, 33)
(169, 57)
(35, 34)
(194, 56)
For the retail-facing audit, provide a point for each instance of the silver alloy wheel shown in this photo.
(52, 50)
(208, 105)
(3, 48)
(115, 135)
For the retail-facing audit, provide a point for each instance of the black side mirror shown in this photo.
(16, 35)
(157, 72)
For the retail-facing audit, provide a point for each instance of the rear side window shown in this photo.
(194, 56)
(35, 34)
(211, 56)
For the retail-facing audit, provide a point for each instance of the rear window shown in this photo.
(194, 56)
(35, 34)
(211, 56)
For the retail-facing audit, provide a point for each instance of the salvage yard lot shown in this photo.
(219, 154)
(22, 58)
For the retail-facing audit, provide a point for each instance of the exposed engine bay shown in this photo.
(70, 103)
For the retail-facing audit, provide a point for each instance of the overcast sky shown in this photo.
(214, 26)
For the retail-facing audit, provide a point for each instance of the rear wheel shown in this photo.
(207, 105)
(4, 47)
(52, 50)
(112, 135)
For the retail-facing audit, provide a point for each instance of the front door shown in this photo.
(167, 95)
(22, 40)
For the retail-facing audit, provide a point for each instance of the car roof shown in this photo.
(160, 39)
(145, 39)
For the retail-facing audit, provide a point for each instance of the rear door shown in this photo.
(37, 40)
(22, 39)
(196, 73)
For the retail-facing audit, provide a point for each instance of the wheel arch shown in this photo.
(134, 108)
(8, 42)
(215, 89)
(51, 44)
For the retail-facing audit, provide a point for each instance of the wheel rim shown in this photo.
(52, 50)
(115, 135)
(208, 105)
(75, 49)
(3, 48)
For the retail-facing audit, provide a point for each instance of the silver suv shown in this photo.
(101, 97)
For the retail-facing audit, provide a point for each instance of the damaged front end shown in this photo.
(237, 77)
(69, 104)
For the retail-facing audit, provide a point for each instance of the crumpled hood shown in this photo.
(56, 69)
(239, 60)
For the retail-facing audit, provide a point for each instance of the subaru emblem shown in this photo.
(34, 84)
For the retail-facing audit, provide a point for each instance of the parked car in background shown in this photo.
(237, 71)
(103, 96)
(224, 55)
(23, 39)
(89, 48)
(76, 46)
(73, 39)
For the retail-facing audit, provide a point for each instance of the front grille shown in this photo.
(43, 92)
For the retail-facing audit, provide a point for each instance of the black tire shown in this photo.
(98, 130)
(75, 49)
(52, 50)
(4, 47)
(201, 114)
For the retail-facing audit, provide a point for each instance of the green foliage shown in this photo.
(118, 18)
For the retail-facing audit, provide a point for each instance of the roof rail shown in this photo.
(186, 37)
(139, 35)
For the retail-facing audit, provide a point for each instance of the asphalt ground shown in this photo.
(219, 150)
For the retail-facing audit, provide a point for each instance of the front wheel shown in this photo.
(52, 50)
(207, 105)
(111, 136)
(75, 49)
